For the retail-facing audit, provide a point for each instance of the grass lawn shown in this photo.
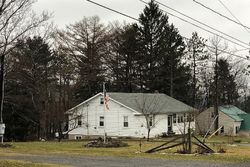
(12, 163)
(233, 153)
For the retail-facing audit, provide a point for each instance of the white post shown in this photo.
(2, 129)
(104, 105)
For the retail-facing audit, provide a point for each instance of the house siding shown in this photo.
(204, 121)
(228, 123)
(113, 124)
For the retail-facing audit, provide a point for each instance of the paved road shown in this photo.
(86, 161)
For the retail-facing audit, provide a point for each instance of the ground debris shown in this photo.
(5, 145)
(108, 143)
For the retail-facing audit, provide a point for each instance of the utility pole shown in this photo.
(104, 114)
(194, 76)
(2, 125)
(216, 123)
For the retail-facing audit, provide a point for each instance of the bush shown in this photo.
(201, 150)
(221, 149)
(5, 145)
(237, 141)
(108, 144)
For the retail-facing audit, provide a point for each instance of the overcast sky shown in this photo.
(69, 11)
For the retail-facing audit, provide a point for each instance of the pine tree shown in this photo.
(163, 49)
(30, 74)
(124, 60)
(227, 88)
(196, 54)
(227, 83)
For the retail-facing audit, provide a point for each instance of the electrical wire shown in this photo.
(218, 13)
(220, 50)
(178, 18)
(112, 10)
(206, 25)
(233, 15)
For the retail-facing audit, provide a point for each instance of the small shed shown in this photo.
(230, 120)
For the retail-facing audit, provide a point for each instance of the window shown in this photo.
(101, 100)
(125, 121)
(180, 118)
(79, 121)
(151, 120)
(237, 129)
(78, 137)
(191, 117)
(185, 117)
(212, 115)
(174, 118)
(101, 123)
(222, 130)
(188, 117)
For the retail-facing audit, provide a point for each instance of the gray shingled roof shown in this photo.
(148, 102)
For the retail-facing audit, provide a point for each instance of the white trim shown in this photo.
(70, 110)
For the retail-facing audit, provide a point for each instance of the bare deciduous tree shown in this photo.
(216, 49)
(16, 20)
(85, 43)
(150, 107)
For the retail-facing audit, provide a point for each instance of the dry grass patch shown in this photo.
(233, 154)
(14, 163)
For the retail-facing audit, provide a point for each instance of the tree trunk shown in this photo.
(148, 134)
(2, 87)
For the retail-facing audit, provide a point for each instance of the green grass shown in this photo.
(228, 139)
(14, 163)
(233, 154)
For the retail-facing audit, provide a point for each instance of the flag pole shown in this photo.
(104, 94)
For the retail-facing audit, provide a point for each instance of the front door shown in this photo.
(170, 123)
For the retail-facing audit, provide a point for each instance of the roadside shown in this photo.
(96, 161)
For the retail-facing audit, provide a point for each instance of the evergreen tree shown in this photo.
(163, 49)
(124, 59)
(30, 75)
(197, 54)
(227, 88)
(153, 29)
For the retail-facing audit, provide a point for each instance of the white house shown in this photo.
(125, 116)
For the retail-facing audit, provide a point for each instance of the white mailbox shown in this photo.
(2, 129)
(56, 134)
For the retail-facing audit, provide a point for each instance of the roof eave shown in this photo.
(70, 110)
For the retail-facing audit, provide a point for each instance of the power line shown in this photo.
(232, 54)
(112, 10)
(202, 28)
(176, 17)
(233, 15)
(179, 18)
(206, 25)
(246, 58)
(221, 15)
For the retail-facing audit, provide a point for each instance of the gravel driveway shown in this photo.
(87, 161)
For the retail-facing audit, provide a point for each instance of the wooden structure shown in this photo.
(186, 142)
